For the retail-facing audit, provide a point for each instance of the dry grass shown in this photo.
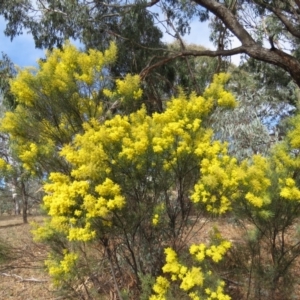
(23, 277)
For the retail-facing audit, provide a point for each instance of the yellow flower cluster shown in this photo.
(287, 162)
(215, 252)
(62, 69)
(255, 182)
(61, 270)
(293, 135)
(192, 279)
(4, 166)
(189, 277)
(290, 191)
(160, 288)
(21, 87)
(76, 199)
(155, 219)
(127, 89)
(220, 177)
(216, 91)
(29, 155)
(109, 199)
(224, 180)
(218, 294)
(158, 211)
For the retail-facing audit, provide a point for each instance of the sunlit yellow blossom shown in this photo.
(61, 269)
(192, 278)
(155, 219)
(160, 287)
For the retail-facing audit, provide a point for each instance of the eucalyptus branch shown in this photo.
(51, 10)
(147, 4)
(286, 22)
(183, 48)
(229, 20)
(186, 53)
(249, 45)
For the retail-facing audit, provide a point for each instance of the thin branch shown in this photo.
(249, 45)
(113, 272)
(289, 25)
(52, 10)
(147, 4)
(21, 279)
(229, 20)
(183, 48)
(210, 53)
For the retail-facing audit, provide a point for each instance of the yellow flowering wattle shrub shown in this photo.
(144, 146)
(143, 172)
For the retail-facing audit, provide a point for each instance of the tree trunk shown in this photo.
(16, 201)
(24, 201)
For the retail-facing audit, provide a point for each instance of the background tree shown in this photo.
(264, 29)
(264, 102)
(12, 190)
(245, 20)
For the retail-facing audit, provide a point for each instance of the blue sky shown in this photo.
(23, 53)
(21, 50)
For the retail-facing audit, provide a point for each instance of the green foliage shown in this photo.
(147, 282)
(134, 28)
(248, 128)
(192, 73)
(7, 72)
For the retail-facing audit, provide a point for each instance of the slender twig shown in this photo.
(113, 272)
(210, 53)
(21, 279)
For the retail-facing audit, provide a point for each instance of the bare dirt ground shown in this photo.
(23, 277)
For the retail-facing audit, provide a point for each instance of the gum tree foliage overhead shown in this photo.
(268, 31)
